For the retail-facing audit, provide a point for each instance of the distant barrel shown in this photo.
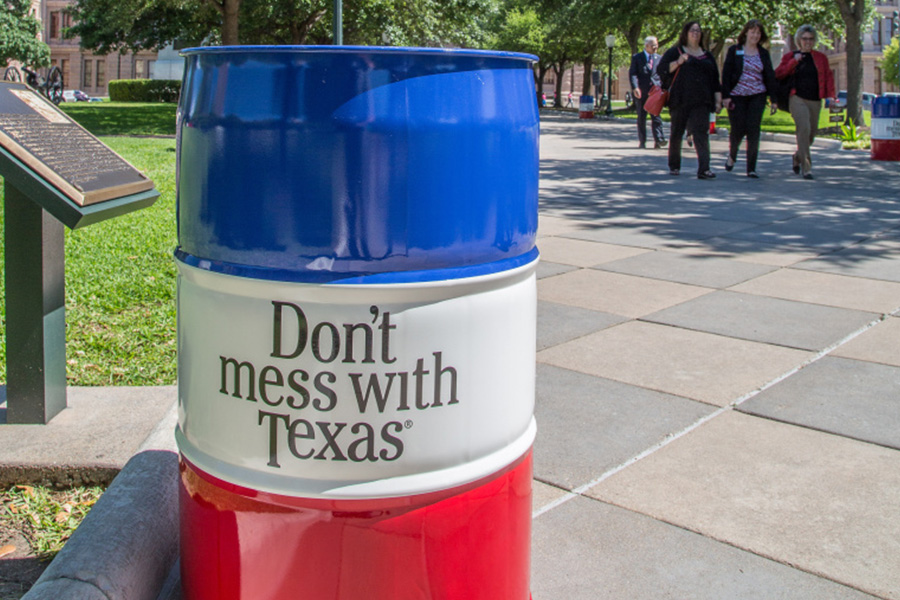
(886, 128)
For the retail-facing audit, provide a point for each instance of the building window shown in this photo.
(151, 68)
(88, 74)
(54, 25)
(139, 69)
(101, 73)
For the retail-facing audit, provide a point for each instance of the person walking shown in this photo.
(642, 75)
(748, 79)
(691, 75)
(810, 81)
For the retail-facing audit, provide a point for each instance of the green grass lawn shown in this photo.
(120, 275)
(780, 122)
(123, 118)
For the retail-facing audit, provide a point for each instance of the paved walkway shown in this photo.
(718, 393)
(718, 374)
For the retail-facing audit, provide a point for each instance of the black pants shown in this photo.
(746, 120)
(694, 119)
(655, 122)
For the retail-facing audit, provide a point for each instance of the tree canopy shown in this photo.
(107, 25)
(19, 31)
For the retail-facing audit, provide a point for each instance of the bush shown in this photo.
(144, 90)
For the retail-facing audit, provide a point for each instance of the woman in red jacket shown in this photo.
(811, 81)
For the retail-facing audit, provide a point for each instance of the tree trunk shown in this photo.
(560, 70)
(230, 22)
(852, 12)
(632, 35)
(586, 79)
(539, 81)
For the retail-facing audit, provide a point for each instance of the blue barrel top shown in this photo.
(332, 163)
(886, 107)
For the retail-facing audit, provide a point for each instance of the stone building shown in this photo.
(80, 69)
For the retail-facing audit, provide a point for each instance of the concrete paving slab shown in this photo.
(879, 344)
(549, 225)
(701, 366)
(875, 259)
(549, 269)
(826, 289)
(589, 425)
(813, 231)
(851, 398)
(583, 254)
(558, 323)
(745, 251)
(673, 232)
(543, 494)
(624, 295)
(770, 320)
(89, 442)
(585, 550)
(689, 269)
(825, 504)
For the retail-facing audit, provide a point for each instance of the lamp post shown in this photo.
(610, 43)
(338, 23)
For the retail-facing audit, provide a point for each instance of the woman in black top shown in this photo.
(692, 77)
(748, 79)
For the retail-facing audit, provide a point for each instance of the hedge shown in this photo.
(144, 90)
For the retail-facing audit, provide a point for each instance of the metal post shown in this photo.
(609, 86)
(35, 311)
(338, 23)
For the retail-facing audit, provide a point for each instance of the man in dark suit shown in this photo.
(643, 75)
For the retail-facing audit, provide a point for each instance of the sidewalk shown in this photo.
(719, 374)
(718, 392)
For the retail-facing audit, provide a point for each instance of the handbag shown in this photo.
(783, 89)
(658, 98)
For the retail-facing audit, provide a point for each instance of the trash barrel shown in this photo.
(886, 128)
(356, 323)
(585, 107)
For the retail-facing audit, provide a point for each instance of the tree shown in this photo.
(105, 26)
(855, 14)
(102, 25)
(19, 31)
(890, 69)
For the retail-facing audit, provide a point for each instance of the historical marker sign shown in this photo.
(61, 151)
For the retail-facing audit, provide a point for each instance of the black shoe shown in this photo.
(674, 172)
(706, 175)
(752, 175)
(660, 144)
(642, 146)
(729, 164)
(808, 176)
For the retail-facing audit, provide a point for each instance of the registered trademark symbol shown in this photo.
(408, 424)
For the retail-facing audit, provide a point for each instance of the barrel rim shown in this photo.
(384, 50)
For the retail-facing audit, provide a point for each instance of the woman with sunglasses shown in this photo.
(811, 82)
(691, 75)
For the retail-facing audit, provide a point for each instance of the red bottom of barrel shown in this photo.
(467, 543)
(885, 149)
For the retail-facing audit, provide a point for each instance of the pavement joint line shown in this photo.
(580, 490)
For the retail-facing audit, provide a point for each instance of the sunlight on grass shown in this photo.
(47, 518)
(120, 284)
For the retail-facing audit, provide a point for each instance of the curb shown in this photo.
(126, 547)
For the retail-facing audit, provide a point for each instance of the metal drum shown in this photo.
(886, 128)
(356, 308)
